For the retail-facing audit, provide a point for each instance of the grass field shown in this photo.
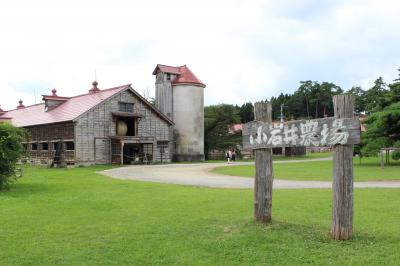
(314, 155)
(369, 170)
(77, 217)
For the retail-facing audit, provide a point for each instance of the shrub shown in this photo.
(10, 150)
(396, 154)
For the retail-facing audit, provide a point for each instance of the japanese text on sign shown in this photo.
(317, 132)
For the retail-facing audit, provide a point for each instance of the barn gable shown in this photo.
(96, 130)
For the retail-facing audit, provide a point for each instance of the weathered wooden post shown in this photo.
(342, 187)
(264, 174)
(122, 152)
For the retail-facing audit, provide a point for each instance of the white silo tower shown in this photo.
(180, 95)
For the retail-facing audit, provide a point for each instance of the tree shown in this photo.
(217, 119)
(304, 93)
(327, 90)
(359, 94)
(10, 150)
(246, 112)
(376, 98)
(383, 130)
(283, 99)
(311, 100)
(394, 90)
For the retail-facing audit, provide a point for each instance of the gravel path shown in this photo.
(201, 175)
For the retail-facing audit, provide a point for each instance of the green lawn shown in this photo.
(369, 170)
(77, 217)
(314, 155)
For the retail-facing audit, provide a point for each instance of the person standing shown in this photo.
(233, 156)
(229, 155)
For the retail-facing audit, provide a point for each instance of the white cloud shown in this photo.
(242, 50)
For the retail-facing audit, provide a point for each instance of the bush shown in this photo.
(10, 150)
(373, 147)
(383, 130)
(396, 154)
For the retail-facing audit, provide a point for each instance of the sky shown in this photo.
(242, 50)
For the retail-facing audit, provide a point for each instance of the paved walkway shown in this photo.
(201, 175)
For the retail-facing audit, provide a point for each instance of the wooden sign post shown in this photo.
(342, 187)
(341, 132)
(264, 174)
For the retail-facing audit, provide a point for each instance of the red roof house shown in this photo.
(114, 125)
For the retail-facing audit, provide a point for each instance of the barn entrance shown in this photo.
(138, 153)
(131, 150)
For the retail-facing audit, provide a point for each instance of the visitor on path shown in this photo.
(233, 155)
(229, 155)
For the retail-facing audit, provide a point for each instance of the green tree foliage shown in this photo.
(311, 100)
(10, 150)
(382, 104)
(359, 95)
(383, 130)
(377, 97)
(282, 99)
(246, 112)
(217, 119)
(394, 91)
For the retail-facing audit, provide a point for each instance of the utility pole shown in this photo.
(281, 126)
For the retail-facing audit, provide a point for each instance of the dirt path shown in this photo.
(201, 175)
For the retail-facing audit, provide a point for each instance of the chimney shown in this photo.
(94, 89)
(20, 106)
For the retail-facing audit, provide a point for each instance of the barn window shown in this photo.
(162, 146)
(148, 148)
(34, 146)
(168, 76)
(125, 107)
(45, 146)
(69, 145)
(116, 148)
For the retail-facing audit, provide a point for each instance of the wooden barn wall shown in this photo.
(97, 125)
(49, 133)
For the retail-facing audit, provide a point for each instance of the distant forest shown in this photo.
(314, 100)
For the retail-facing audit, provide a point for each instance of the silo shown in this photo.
(185, 107)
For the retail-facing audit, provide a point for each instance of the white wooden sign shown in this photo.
(310, 133)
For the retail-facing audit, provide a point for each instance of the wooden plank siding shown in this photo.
(98, 125)
(49, 133)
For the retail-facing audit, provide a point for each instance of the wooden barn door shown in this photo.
(102, 151)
